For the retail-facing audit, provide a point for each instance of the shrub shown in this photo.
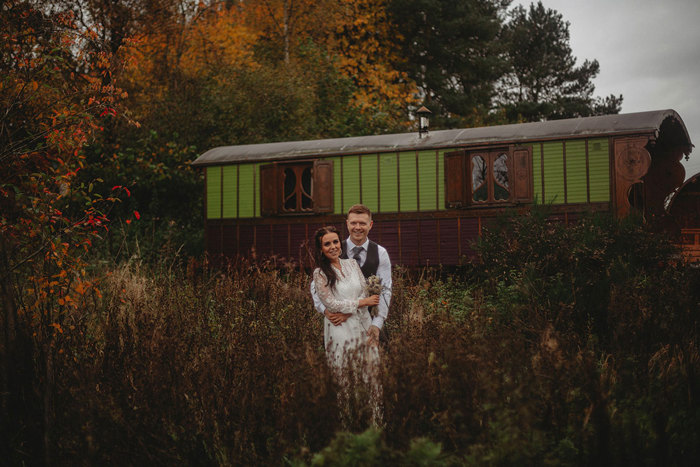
(566, 346)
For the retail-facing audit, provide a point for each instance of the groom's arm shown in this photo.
(384, 273)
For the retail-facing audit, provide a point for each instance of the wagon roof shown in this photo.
(605, 125)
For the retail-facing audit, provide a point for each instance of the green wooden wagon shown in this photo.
(432, 194)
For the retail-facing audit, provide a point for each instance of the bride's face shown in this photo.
(330, 246)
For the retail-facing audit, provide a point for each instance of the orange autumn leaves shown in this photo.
(367, 51)
(55, 99)
(355, 35)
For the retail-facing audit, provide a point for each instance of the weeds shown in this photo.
(565, 347)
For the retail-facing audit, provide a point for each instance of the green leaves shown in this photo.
(452, 51)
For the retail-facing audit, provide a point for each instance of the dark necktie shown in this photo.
(356, 254)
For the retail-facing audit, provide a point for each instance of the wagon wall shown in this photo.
(406, 191)
(564, 172)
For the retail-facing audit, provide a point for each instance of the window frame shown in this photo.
(298, 192)
(459, 189)
(490, 179)
(273, 195)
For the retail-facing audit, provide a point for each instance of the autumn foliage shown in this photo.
(104, 104)
(54, 100)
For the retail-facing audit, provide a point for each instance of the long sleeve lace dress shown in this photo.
(347, 340)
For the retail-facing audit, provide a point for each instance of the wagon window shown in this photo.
(479, 186)
(500, 178)
(296, 188)
(488, 177)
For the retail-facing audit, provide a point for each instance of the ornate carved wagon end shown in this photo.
(647, 170)
(632, 162)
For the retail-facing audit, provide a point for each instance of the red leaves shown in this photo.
(109, 111)
(95, 219)
(50, 102)
(121, 187)
(136, 215)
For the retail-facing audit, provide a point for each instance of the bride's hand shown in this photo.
(336, 318)
(369, 301)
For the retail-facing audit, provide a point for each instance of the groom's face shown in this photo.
(359, 226)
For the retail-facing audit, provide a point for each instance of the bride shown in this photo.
(340, 285)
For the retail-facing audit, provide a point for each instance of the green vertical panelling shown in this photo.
(576, 190)
(537, 173)
(408, 184)
(599, 170)
(230, 205)
(247, 187)
(388, 185)
(351, 181)
(553, 173)
(213, 192)
(427, 182)
(370, 193)
(257, 190)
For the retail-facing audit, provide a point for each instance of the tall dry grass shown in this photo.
(545, 354)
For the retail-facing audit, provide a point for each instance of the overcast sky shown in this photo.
(649, 51)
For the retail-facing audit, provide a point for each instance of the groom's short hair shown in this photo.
(360, 209)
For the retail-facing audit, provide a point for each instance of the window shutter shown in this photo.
(269, 190)
(323, 186)
(456, 187)
(522, 175)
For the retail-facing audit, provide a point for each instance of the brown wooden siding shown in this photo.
(387, 235)
(429, 240)
(297, 241)
(449, 241)
(469, 232)
(245, 242)
(264, 241)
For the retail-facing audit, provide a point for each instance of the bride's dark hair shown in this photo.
(321, 260)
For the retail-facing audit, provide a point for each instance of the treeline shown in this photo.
(239, 72)
(206, 74)
(178, 77)
(103, 105)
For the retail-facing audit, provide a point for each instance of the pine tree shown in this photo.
(452, 52)
(543, 81)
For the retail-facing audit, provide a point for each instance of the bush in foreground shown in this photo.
(567, 346)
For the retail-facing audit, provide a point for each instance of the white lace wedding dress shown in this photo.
(353, 361)
(348, 340)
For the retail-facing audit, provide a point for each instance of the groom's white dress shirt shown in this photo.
(383, 272)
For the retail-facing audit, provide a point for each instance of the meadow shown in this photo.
(120, 344)
(569, 345)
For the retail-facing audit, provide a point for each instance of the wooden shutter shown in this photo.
(522, 175)
(270, 190)
(323, 186)
(456, 181)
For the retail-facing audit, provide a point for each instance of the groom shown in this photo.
(373, 260)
